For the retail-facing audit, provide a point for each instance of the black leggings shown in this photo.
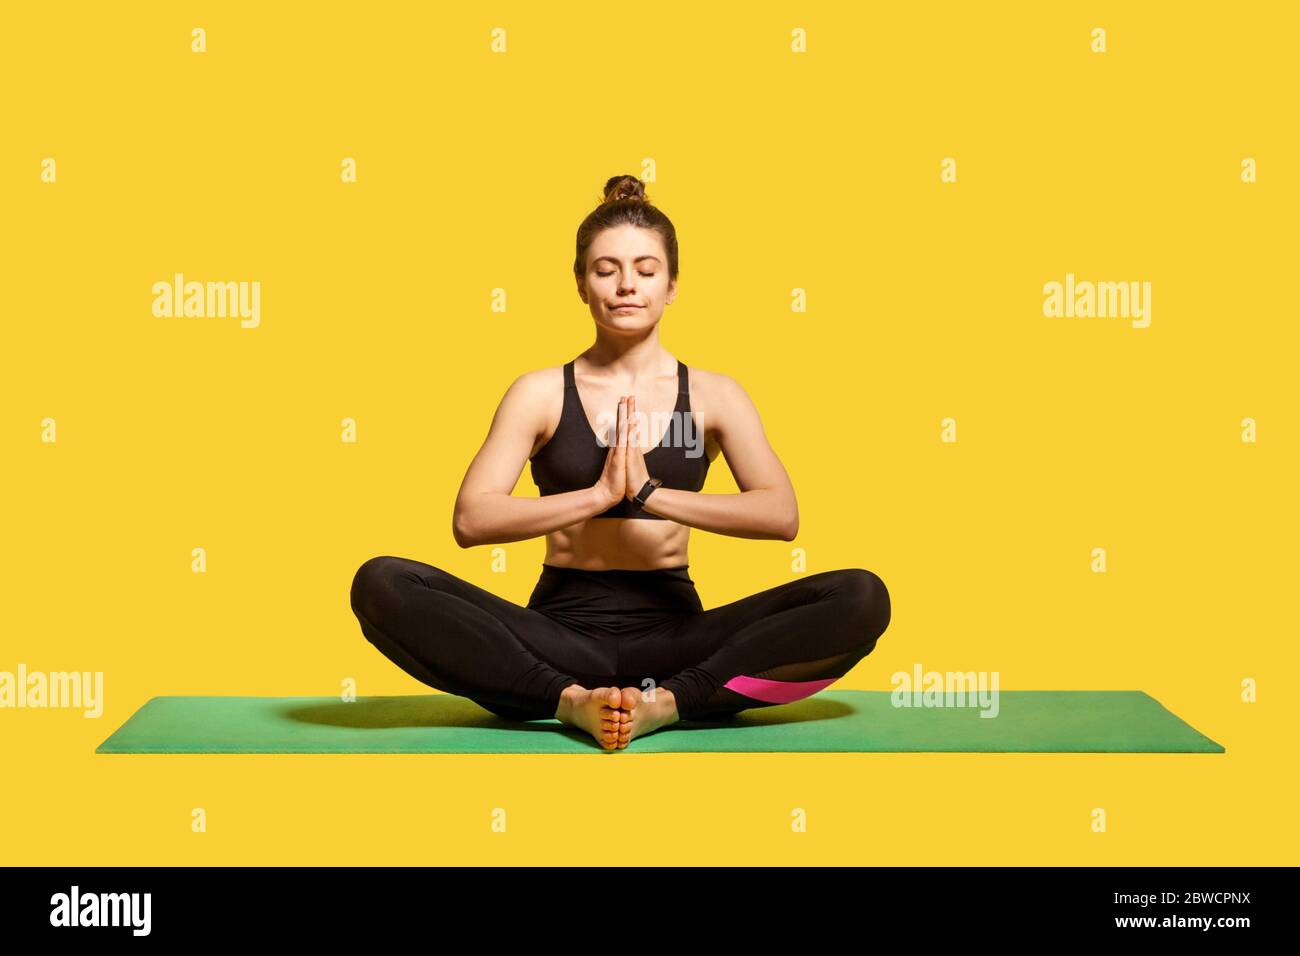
(619, 628)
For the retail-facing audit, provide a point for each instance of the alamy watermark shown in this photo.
(70, 689)
(678, 430)
(1098, 300)
(102, 909)
(208, 300)
(946, 689)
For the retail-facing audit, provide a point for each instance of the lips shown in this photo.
(617, 307)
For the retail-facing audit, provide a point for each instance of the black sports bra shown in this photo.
(574, 457)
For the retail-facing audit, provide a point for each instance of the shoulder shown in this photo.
(715, 387)
(533, 397)
(538, 382)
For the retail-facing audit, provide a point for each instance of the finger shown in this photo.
(616, 454)
(622, 420)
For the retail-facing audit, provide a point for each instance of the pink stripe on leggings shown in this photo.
(777, 691)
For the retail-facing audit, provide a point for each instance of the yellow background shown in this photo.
(817, 171)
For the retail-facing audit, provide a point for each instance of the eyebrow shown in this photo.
(615, 261)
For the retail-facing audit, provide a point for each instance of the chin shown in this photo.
(626, 323)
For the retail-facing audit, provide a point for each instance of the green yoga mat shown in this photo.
(1027, 721)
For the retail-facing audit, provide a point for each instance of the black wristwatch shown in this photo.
(644, 493)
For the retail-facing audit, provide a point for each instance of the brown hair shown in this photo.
(625, 203)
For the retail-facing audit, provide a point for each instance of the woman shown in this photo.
(614, 639)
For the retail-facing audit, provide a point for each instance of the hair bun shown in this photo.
(624, 187)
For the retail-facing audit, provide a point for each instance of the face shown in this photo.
(627, 266)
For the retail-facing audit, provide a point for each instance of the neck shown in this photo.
(632, 359)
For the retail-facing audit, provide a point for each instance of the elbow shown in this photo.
(790, 526)
(461, 529)
(471, 520)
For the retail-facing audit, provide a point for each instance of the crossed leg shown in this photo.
(465, 640)
(782, 644)
(779, 645)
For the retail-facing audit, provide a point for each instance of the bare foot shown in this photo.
(639, 716)
(593, 711)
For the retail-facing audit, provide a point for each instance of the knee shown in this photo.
(372, 582)
(868, 603)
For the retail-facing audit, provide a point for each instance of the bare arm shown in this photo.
(486, 512)
(766, 505)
